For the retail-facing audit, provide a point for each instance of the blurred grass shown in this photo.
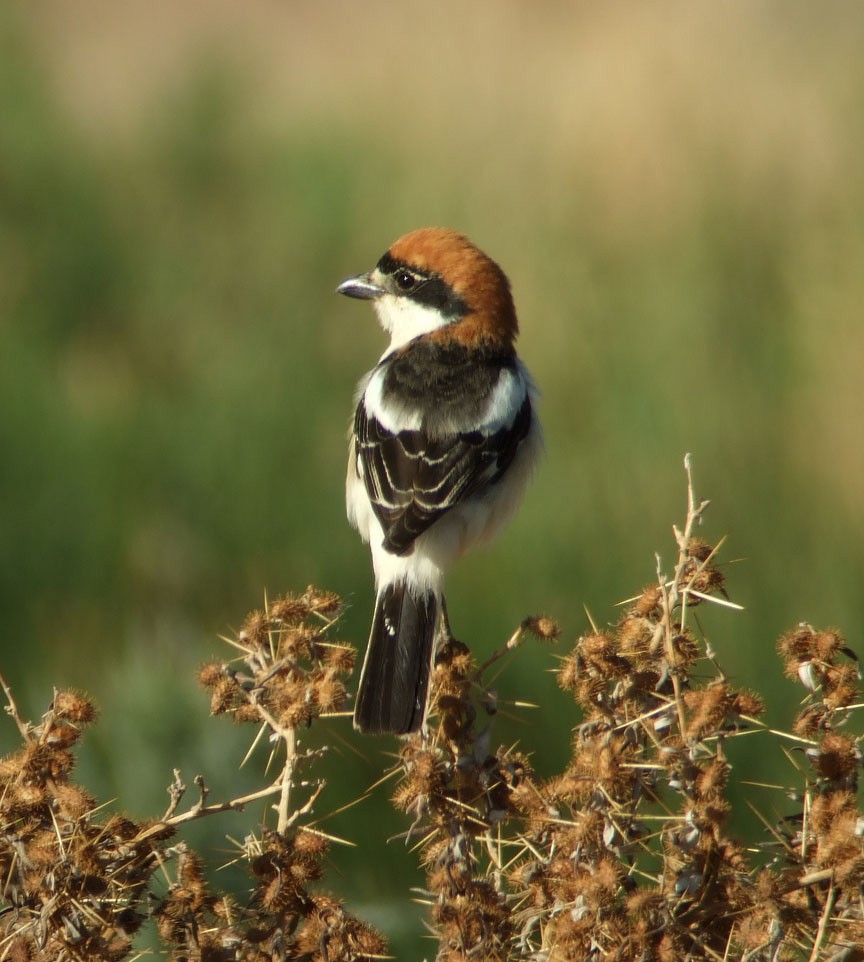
(680, 205)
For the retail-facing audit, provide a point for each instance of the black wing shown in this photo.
(412, 480)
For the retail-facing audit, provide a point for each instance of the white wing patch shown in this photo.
(506, 399)
(393, 417)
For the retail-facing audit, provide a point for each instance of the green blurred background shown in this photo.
(677, 193)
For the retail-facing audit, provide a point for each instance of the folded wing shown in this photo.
(412, 479)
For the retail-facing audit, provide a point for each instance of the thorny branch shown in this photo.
(575, 866)
(625, 855)
(12, 711)
(79, 887)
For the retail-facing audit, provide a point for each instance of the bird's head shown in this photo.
(435, 281)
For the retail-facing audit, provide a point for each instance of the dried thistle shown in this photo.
(79, 885)
(625, 855)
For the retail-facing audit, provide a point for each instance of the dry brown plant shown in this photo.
(625, 855)
(78, 885)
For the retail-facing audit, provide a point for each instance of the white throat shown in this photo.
(403, 319)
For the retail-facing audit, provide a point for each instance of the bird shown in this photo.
(444, 442)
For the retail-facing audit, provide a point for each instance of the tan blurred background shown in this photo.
(677, 193)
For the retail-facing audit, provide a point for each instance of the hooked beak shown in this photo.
(361, 287)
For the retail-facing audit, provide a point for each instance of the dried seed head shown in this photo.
(837, 758)
(311, 843)
(748, 703)
(708, 580)
(707, 708)
(712, 781)
(295, 714)
(649, 604)
(224, 696)
(568, 674)
(840, 684)
(42, 852)
(74, 707)
(190, 871)
(44, 761)
(255, 628)
(836, 824)
(635, 633)
(304, 868)
(19, 798)
(364, 941)
(323, 602)
(686, 649)
(645, 904)
(453, 665)
(12, 765)
(329, 693)
(599, 645)
(699, 550)
(831, 807)
(120, 828)
(828, 644)
(340, 658)
(795, 647)
(74, 802)
(811, 721)
(600, 656)
(246, 714)
(289, 610)
(21, 949)
(212, 675)
(543, 628)
(425, 771)
(61, 735)
(298, 642)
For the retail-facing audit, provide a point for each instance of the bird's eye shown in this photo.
(405, 280)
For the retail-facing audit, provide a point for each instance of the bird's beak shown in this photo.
(362, 287)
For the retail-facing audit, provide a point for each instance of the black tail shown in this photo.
(395, 677)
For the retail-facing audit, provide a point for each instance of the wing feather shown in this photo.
(412, 480)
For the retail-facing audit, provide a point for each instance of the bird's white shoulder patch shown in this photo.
(392, 417)
(505, 401)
